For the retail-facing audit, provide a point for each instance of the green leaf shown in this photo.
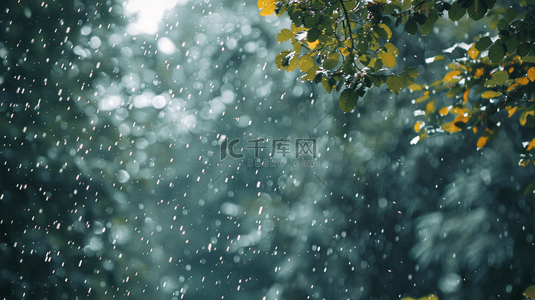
(282, 60)
(511, 14)
(530, 190)
(412, 72)
(511, 44)
(381, 32)
(331, 61)
(326, 85)
(411, 26)
(395, 84)
(466, 3)
(503, 24)
(483, 43)
(390, 48)
(362, 46)
(387, 59)
(419, 17)
(497, 51)
(456, 12)
(305, 63)
(348, 100)
(284, 35)
(523, 49)
(477, 10)
(428, 25)
(528, 58)
(454, 91)
(500, 77)
(313, 34)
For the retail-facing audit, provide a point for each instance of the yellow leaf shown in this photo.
(531, 145)
(414, 87)
(452, 76)
(422, 98)
(479, 72)
(313, 44)
(267, 7)
(311, 73)
(512, 87)
(443, 111)
(430, 107)
(461, 118)
(465, 96)
(524, 116)
(388, 31)
(531, 74)
(522, 80)
(392, 49)
(388, 59)
(305, 63)
(472, 52)
(436, 83)
(490, 94)
(482, 141)
(345, 51)
(438, 57)
(530, 292)
(523, 163)
(512, 111)
(429, 297)
(418, 126)
(450, 127)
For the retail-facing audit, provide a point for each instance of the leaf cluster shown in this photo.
(345, 45)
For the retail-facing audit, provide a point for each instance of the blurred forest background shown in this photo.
(114, 184)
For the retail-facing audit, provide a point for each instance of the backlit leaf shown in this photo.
(418, 126)
(531, 74)
(331, 61)
(452, 76)
(422, 98)
(391, 49)
(524, 117)
(482, 141)
(531, 145)
(473, 52)
(490, 94)
(465, 95)
(530, 291)
(395, 83)
(305, 63)
(414, 87)
(313, 45)
(412, 72)
(386, 29)
(348, 100)
(512, 111)
(267, 7)
(284, 35)
(430, 107)
(388, 59)
(443, 111)
(522, 80)
(501, 77)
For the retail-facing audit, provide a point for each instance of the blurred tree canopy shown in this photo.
(488, 84)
